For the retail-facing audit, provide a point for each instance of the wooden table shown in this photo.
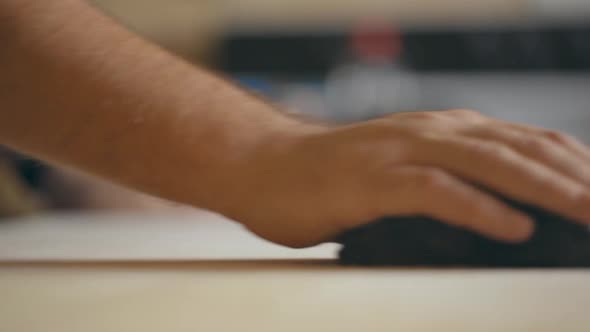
(132, 273)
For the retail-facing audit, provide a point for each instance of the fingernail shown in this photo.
(522, 227)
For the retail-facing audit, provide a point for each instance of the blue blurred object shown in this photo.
(258, 84)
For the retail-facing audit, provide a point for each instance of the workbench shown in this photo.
(200, 272)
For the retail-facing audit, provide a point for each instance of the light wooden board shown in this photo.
(145, 273)
(287, 296)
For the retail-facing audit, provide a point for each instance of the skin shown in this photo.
(80, 91)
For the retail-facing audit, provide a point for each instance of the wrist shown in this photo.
(274, 150)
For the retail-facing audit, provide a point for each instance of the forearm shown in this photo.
(79, 90)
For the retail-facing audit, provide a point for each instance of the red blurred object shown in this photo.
(376, 40)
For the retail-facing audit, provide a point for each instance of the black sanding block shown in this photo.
(419, 241)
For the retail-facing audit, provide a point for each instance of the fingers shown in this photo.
(537, 147)
(504, 170)
(441, 196)
(567, 142)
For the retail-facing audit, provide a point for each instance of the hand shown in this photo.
(307, 190)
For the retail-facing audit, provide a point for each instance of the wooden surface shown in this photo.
(107, 283)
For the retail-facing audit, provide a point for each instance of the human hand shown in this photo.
(317, 186)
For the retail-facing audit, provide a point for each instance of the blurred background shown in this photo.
(348, 60)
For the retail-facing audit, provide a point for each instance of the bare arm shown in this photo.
(79, 90)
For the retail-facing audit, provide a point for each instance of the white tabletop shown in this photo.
(186, 235)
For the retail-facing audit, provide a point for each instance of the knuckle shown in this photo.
(427, 116)
(538, 145)
(431, 179)
(557, 136)
(463, 113)
(492, 149)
